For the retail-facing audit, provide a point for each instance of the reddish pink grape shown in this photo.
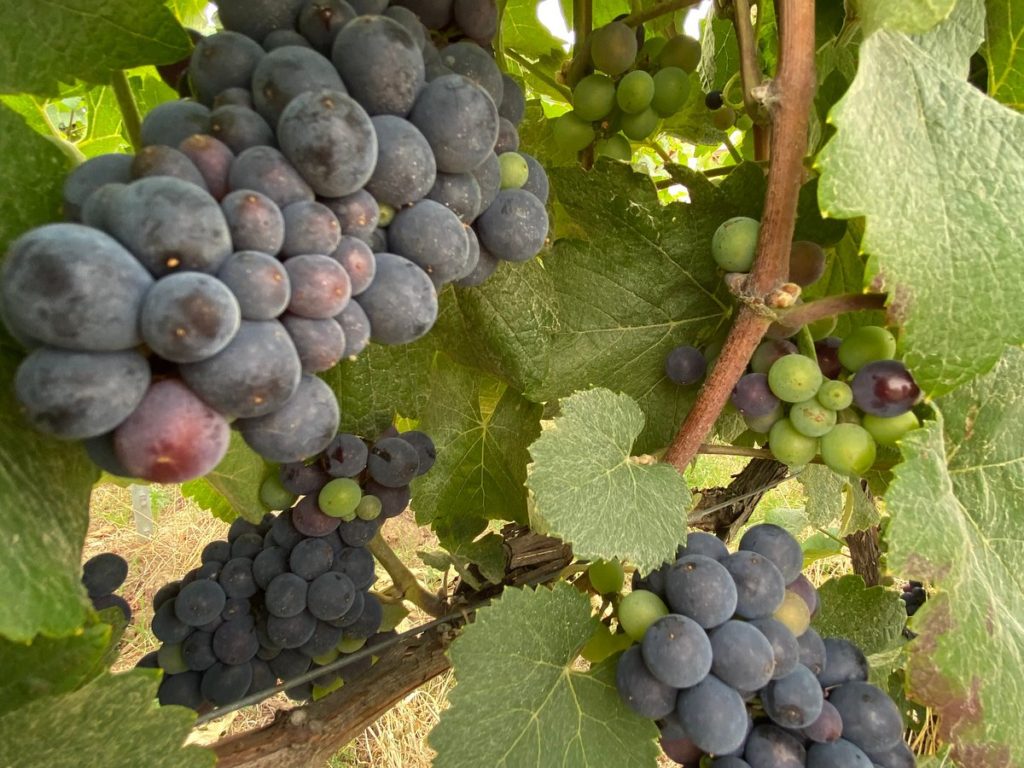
(885, 388)
(172, 436)
(827, 351)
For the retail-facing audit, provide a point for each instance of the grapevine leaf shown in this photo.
(904, 107)
(522, 30)
(482, 430)
(114, 716)
(823, 489)
(381, 383)
(957, 513)
(50, 666)
(479, 330)
(232, 489)
(41, 565)
(33, 169)
(911, 16)
(589, 490)
(517, 683)
(95, 38)
(818, 546)
(871, 617)
(1004, 52)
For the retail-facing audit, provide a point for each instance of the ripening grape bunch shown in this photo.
(291, 594)
(331, 171)
(102, 576)
(727, 663)
(638, 82)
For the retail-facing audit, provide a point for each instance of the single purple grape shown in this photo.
(885, 388)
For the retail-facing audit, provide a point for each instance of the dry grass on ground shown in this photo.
(399, 738)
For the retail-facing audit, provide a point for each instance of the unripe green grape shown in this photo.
(617, 147)
(170, 660)
(794, 378)
(635, 92)
(325, 659)
(849, 449)
(724, 118)
(836, 395)
(744, 123)
(822, 329)
(641, 125)
(514, 170)
(340, 497)
(593, 98)
(606, 576)
(866, 345)
(351, 644)
(768, 351)
(793, 614)
(652, 48)
(811, 418)
(734, 244)
(603, 644)
(638, 610)
(572, 133)
(387, 215)
(887, 431)
(789, 446)
(274, 495)
(613, 48)
(763, 424)
(671, 88)
(368, 508)
(680, 51)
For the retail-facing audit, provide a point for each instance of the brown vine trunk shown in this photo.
(866, 555)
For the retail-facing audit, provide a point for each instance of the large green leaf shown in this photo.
(871, 617)
(32, 173)
(951, 257)
(233, 487)
(957, 516)
(44, 513)
(589, 490)
(522, 30)
(43, 44)
(912, 16)
(1004, 51)
(482, 430)
(50, 666)
(381, 383)
(520, 692)
(113, 722)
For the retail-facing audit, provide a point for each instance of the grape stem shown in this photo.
(403, 578)
(750, 67)
(805, 314)
(540, 74)
(661, 9)
(582, 24)
(129, 108)
(805, 343)
(788, 102)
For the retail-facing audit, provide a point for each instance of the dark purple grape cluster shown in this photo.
(841, 405)
(735, 676)
(333, 169)
(102, 576)
(278, 599)
(913, 596)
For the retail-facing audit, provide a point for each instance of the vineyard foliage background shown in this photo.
(542, 386)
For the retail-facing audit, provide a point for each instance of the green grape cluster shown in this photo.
(840, 405)
(634, 87)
